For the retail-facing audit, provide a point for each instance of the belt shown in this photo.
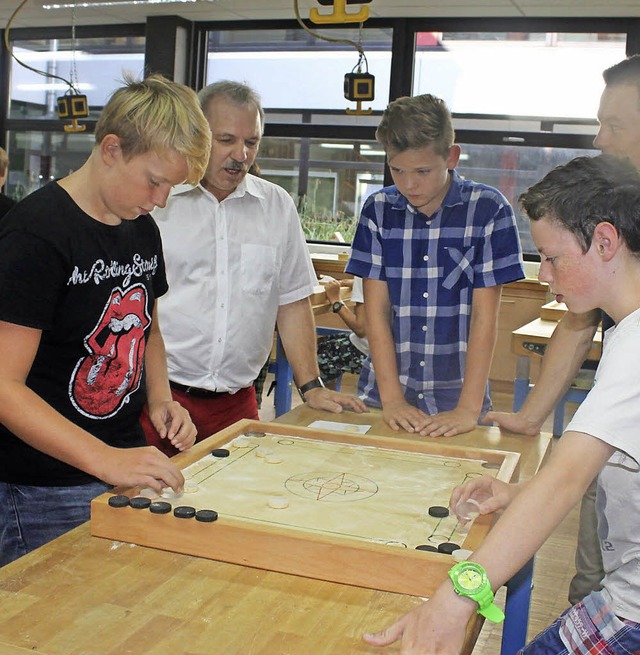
(196, 392)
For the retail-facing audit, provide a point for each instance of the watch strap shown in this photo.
(487, 608)
(316, 383)
(492, 612)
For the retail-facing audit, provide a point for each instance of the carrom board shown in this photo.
(357, 505)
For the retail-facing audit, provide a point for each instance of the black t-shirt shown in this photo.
(90, 288)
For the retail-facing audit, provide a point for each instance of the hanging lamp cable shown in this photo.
(357, 46)
(9, 48)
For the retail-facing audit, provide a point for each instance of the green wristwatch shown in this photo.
(470, 580)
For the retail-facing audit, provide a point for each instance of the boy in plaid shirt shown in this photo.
(434, 250)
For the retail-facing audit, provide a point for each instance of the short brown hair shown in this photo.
(626, 72)
(586, 191)
(416, 122)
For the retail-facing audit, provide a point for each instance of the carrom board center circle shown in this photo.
(331, 486)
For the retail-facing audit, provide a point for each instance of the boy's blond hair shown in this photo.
(415, 122)
(156, 114)
(4, 161)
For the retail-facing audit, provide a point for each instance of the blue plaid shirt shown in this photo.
(431, 266)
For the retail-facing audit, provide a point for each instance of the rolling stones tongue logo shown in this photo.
(103, 380)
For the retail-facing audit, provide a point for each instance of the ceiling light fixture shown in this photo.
(116, 3)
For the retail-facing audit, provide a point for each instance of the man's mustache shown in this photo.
(234, 165)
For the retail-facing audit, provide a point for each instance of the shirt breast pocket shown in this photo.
(458, 267)
(257, 268)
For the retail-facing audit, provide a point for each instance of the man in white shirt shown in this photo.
(237, 265)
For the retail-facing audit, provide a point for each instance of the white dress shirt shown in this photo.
(230, 265)
(357, 296)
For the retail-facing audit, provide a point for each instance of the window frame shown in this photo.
(403, 50)
(404, 32)
(36, 33)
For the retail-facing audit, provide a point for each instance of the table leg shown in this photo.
(514, 631)
(284, 380)
(521, 384)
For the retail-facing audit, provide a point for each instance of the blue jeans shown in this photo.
(32, 516)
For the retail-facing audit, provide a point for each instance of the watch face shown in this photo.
(470, 580)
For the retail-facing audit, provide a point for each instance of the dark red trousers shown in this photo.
(209, 415)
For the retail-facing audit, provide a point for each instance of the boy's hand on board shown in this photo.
(400, 415)
(515, 422)
(448, 424)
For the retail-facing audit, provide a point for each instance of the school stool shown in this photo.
(283, 375)
(576, 393)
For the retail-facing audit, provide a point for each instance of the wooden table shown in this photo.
(81, 595)
(532, 339)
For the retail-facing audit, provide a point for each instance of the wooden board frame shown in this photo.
(293, 550)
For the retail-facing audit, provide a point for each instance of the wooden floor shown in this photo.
(554, 564)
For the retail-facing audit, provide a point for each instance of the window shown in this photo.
(100, 64)
(38, 157)
(39, 147)
(523, 99)
(329, 179)
(522, 102)
(512, 169)
(285, 66)
(513, 74)
(327, 175)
